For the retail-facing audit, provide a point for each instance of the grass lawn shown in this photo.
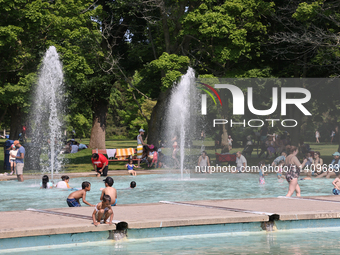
(81, 161)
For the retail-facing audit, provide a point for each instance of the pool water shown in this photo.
(157, 187)
(307, 241)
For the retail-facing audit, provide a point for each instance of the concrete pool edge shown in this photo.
(169, 219)
(46, 241)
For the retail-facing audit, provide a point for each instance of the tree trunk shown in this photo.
(166, 31)
(99, 125)
(157, 118)
(294, 132)
(15, 122)
(3, 115)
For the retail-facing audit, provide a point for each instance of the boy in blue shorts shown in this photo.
(73, 198)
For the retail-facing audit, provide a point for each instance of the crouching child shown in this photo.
(103, 211)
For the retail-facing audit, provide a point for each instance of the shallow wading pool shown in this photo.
(156, 187)
(307, 241)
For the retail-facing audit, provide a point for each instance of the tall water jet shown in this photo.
(181, 112)
(47, 115)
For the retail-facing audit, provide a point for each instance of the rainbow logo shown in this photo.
(209, 93)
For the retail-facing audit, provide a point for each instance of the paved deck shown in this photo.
(160, 215)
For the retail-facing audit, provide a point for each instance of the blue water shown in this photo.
(156, 187)
(312, 241)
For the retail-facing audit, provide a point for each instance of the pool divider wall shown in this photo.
(11, 244)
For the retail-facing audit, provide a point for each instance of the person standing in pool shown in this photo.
(336, 184)
(294, 168)
(175, 150)
(140, 144)
(241, 162)
(109, 190)
(204, 162)
(74, 197)
(261, 165)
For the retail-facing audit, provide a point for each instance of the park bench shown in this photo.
(103, 151)
(230, 158)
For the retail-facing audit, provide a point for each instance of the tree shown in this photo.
(27, 29)
(304, 42)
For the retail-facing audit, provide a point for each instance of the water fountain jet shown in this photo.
(47, 115)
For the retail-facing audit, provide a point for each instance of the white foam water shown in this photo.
(47, 115)
(180, 117)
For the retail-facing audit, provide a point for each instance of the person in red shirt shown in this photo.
(100, 164)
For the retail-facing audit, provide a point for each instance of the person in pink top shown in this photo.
(155, 157)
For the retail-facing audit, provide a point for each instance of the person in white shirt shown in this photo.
(241, 162)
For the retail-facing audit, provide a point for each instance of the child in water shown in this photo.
(130, 167)
(63, 184)
(133, 185)
(74, 197)
(336, 184)
(261, 165)
(45, 183)
(280, 169)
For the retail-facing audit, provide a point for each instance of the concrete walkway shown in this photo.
(161, 215)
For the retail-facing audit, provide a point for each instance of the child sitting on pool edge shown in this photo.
(336, 184)
(73, 198)
(103, 211)
(109, 190)
(130, 167)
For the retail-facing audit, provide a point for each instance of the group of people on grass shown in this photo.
(73, 146)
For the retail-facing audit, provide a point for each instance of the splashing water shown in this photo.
(180, 117)
(47, 115)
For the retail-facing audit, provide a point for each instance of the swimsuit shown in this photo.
(279, 173)
(262, 181)
(293, 172)
(336, 191)
(130, 167)
(115, 203)
(97, 211)
(72, 202)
